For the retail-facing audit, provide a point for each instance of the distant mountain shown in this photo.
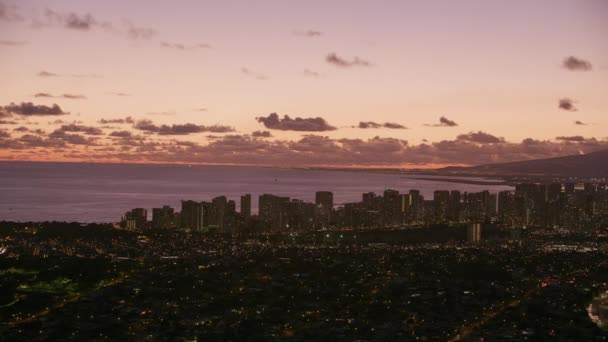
(593, 164)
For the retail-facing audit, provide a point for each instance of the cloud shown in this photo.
(567, 104)
(318, 124)
(64, 96)
(43, 95)
(121, 134)
(576, 138)
(28, 109)
(74, 139)
(443, 122)
(308, 33)
(253, 74)
(372, 124)
(179, 129)
(13, 42)
(118, 94)
(336, 60)
(21, 129)
(87, 22)
(202, 109)
(183, 47)
(45, 73)
(480, 138)
(4, 134)
(9, 12)
(576, 64)
(310, 150)
(70, 20)
(136, 33)
(127, 120)
(261, 134)
(579, 123)
(74, 128)
(310, 73)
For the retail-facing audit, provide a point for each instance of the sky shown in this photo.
(363, 83)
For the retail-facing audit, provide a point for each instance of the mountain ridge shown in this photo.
(594, 164)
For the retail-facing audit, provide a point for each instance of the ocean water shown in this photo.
(86, 192)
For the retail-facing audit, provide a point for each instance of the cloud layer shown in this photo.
(179, 129)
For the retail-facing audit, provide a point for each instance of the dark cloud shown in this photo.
(579, 123)
(8, 122)
(443, 122)
(74, 128)
(13, 42)
(575, 138)
(182, 47)
(261, 134)
(253, 74)
(73, 96)
(336, 60)
(43, 95)
(63, 96)
(179, 129)
(372, 124)
(28, 108)
(273, 121)
(45, 73)
(21, 129)
(480, 138)
(576, 64)
(127, 120)
(4, 134)
(567, 104)
(121, 134)
(308, 33)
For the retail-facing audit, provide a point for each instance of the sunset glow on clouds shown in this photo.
(344, 83)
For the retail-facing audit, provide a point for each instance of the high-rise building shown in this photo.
(192, 215)
(441, 201)
(246, 205)
(163, 218)
(324, 202)
(272, 211)
(135, 219)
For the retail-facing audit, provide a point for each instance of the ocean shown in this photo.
(89, 192)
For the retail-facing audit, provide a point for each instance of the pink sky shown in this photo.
(488, 66)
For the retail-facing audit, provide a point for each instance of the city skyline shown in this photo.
(363, 85)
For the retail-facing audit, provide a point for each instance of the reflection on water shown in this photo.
(598, 310)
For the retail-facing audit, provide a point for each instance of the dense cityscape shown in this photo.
(553, 205)
(528, 264)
